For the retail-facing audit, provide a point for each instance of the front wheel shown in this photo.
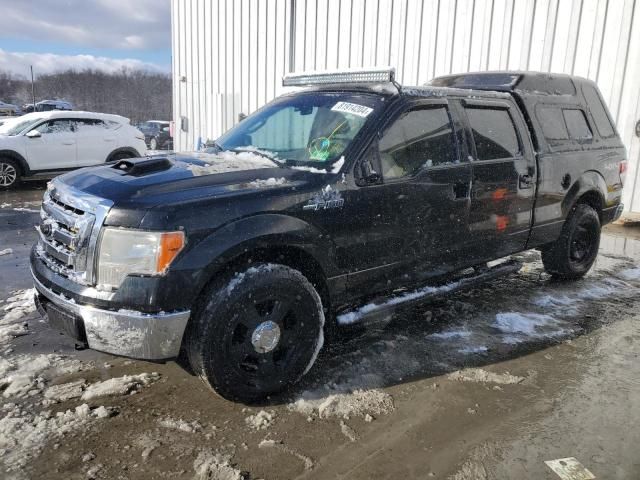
(573, 254)
(153, 144)
(256, 332)
(9, 173)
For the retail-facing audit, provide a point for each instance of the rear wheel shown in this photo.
(9, 173)
(256, 332)
(153, 144)
(573, 254)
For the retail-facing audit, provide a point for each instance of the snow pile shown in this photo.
(261, 420)
(348, 432)
(269, 182)
(24, 434)
(527, 326)
(479, 375)
(182, 425)
(26, 375)
(65, 391)
(19, 305)
(628, 274)
(6, 251)
(214, 466)
(119, 385)
(225, 162)
(359, 402)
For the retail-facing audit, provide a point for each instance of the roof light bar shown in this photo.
(365, 75)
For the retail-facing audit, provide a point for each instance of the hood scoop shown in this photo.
(143, 166)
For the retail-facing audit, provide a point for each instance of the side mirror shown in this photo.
(367, 174)
(241, 116)
(33, 134)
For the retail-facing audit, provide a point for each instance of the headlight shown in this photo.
(124, 252)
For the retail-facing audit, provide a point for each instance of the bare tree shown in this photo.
(136, 94)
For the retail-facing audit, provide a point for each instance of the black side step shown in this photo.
(382, 307)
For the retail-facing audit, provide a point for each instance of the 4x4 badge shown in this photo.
(328, 198)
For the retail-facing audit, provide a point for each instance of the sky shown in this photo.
(54, 35)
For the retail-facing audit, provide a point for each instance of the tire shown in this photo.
(255, 333)
(153, 144)
(573, 254)
(9, 173)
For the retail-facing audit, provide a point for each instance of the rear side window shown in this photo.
(419, 139)
(494, 133)
(577, 124)
(598, 112)
(552, 123)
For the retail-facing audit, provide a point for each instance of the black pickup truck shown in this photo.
(330, 205)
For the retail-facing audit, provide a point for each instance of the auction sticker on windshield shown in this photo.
(353, 108)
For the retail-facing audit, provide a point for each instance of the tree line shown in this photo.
(136, 94)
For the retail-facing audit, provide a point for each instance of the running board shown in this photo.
(385, 306)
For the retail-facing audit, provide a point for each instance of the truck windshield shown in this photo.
(311, 128)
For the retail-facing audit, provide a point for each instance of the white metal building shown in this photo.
(229, 55)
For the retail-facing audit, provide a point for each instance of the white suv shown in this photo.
(42, 144)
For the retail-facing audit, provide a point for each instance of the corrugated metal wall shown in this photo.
(229, 55)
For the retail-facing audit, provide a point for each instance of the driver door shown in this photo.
(55, 148)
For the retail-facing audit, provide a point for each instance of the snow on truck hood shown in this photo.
(178, 177)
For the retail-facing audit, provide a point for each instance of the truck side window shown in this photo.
(420, 138)
(553, 126)
(494, 133)
(598, 112)
(577, 124)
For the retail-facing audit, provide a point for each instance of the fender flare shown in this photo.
(13, 155)
(129, 150)
(257, 232)
(591, 183)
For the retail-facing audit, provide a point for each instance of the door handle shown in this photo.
(526, 181)
(68, 143)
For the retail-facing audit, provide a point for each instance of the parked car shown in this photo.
(328, 206)
(9, 110)
(157, 134)
(42, 144)
(47, 105)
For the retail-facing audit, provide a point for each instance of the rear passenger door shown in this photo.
(504, 178)
(95, 141)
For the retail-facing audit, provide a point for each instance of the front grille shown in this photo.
(65, 231)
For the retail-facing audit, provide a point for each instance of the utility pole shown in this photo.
(33, 91)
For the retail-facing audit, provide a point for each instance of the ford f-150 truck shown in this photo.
(330, 205)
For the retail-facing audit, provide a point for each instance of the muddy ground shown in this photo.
(485, 384)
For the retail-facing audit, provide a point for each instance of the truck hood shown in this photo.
(172, 179)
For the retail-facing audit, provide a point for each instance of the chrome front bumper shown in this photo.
(127, 333)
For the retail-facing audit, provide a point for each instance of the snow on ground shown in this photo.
(17, 307)
(261, 420)
(27, 375)
(66, 391)
(23, 434)
(215, 466)
(479, 375)
(345, 404)
(120, 385)
(181, 425)
(6, 251)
